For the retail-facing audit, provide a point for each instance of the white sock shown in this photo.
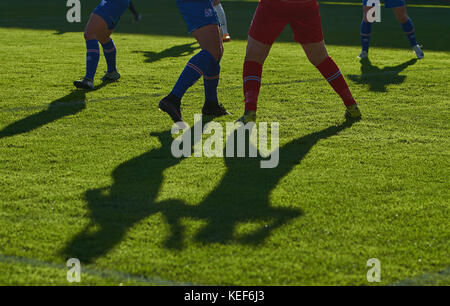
(222, 18)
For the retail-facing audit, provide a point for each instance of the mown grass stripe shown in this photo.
(155, 95)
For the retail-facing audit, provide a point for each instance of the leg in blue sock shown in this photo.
(408, 28)
(366, 31)
(197, 66)
(92, 58)
(110, 52)
(211, 82)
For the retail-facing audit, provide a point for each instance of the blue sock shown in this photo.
(211, 81)
(408, 28)
(109, 50)
(366, 31)
(92, 58)
(194, 69)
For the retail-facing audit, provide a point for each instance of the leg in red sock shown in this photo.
(252, 84)
(331, 72)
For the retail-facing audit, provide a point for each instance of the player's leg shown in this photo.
(111, 13)
(210, 41)
(202, 22)
(399, 8)
(366, 32)
(98, 29)
(222, 20)
(137, 16)
(308, 32)
(256, 54)
(110, 53)
(266, 27)
(318, 56)
(109, 50)
(95, 27)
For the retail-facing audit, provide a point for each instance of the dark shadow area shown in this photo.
(341, 22)
(131, 198)
(68, 105)
(172, 52)
(379, 78)
(242, 196)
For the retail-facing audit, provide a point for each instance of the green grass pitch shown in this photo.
(90, 175)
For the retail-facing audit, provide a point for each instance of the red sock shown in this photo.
(331, 72)
(252, 84)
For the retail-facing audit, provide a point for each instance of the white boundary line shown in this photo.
(121, 277)
(425, 279)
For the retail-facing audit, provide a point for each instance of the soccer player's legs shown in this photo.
(407, 26)
(202, 22)
(98, 29)
(210, 41)
(94, 27)
(318, 56)
(266, 26)
(366, 26)
(308, 32)
(110, 11)
(365, 33)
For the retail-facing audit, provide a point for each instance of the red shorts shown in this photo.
(272, 16)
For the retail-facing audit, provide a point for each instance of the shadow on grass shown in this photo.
(68, 105)
(379, 78)
(172, 52)
(242, 197)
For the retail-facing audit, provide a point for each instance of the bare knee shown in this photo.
(401, 14)
(89, 35)
(217, 52)
(317, 59)
(96, 28)
(210, 40)
(255, 56)
(316, 52)
(256, 51)
(402, 18)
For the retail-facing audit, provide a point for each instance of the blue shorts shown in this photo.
(390, 3)
(111, 11)
(197, 13)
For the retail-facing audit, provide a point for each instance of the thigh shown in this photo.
(96, 28)
(401, 14)
(257, 51)
(209, 39)
(316, 52)
(197, 13)
(267, 24)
